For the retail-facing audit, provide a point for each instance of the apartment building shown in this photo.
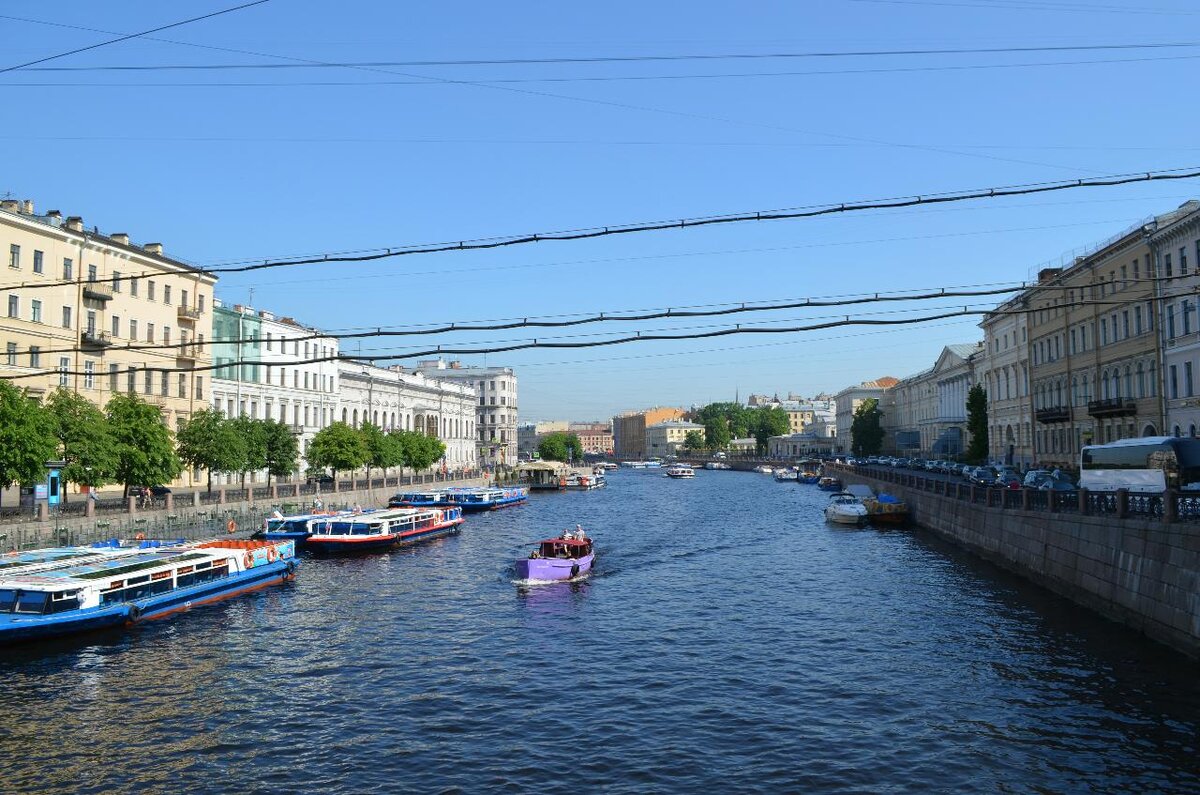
(595, 437)
(926, 413)
(629, 430)
(287, 386)
(99, 314)
(668, 437)
(1175, 244)
(1005, 375)
(849, 399)
(496, 415)
(1094, 348)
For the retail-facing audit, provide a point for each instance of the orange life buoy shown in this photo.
(270, 554)
(140, 537)
(247, 561)
(231, 527)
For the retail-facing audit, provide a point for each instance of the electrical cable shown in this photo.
(128, 36)
(589, 233)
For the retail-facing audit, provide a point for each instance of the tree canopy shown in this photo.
(384, 450)
(27, 438)
(85, 441)
(765, 422)
(337, 447)
(145, 451)
(420, 451)
(281, 451)
(560, 446)
(209, 441)
(723, 422)
(694, 440)
(977, 424)
(866, 429)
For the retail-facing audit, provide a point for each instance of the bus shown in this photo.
(1148, 464)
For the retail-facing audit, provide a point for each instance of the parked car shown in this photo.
(983, 476)
(1008, 480)
(323, 479)
(1035, 477)
(1057, 484)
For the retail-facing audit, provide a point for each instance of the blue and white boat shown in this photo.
(379, 531)
(431, 498)
(472, 499)
(296, 528)
(118, 586)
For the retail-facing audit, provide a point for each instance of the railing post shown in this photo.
(1122, 503)
(131, 504)
(169, 503)
(1084, 505)
(221, 496)
(296, 490)
(1170, 506)
(275, 492)
(1025, 499)
(43, 511)
(195, 499)
(89, 509)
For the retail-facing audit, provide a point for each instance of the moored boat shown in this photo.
(764, 469)
(680, 471)
(555, 559)
(716, 465)
(131, 585)
(882, 508)
(827, 483)
(582, 481)
(845, 508)
(427, 498)
(381, 530)
(296, 528)
(485, 498)
(783, 475)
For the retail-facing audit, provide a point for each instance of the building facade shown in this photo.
(100, 315)
(595, 437)
(629, 430)
(289, 387)
(926, 414)
(1005, 375)
(394, 399)
(1175, 248)
(496, 409)
(849, 399)
(667, 437)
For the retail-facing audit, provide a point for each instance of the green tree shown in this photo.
(384, 450)
(254, 456)
(723, 422)
(977, 424)
(26, 437)
(765, 422)
(560, 447)
(84, 439)
(280, 449)
(209, 441)
(144, 448)
(866, 429)
(337, 447)
(419, 451)
(694, 440)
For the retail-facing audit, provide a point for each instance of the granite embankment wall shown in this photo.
(1143, 571)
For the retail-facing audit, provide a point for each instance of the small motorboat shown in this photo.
(680, 471)
(882, 508)
(845, 508)
(786, 475)
(829, 484)
(556, 559)
(764, 469)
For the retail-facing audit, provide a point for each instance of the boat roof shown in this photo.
(382, 515)
(570, 542)
(83, 574)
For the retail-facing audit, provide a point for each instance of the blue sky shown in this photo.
(220, 167)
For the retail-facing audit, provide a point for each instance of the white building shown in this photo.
(392, 399)
(849, 399)
(667, 437)
(287, 387)
(1174, 244)
(496, 410)
(926, 413)
(1005, 375)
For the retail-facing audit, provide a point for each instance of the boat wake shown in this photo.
(527, 583)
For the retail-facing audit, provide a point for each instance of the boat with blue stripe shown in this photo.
(379, 531)
(120, 586)
(298, 527)
(471, 499)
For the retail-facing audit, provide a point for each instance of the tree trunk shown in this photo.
(210, 481)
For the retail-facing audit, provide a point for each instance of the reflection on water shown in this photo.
(727, 639)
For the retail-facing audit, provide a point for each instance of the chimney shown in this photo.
(27, 207)
(120, 237)
(153, 248)
(1048, 274)
(12, 205)
(456, 365)
(54, 215)
(74, 223)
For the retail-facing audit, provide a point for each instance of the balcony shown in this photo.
(99, 291)
(189, 351)
(188, 314)
(95, 339)
(1112, 407)
(1054, 414)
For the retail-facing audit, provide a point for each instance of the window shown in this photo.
(64, 364)
(91, 321)
(1187, 379)
(14, 306)
(1167, 265)
(131, 380)
(199, 385)
(133, 287)
(1170, 321)
(89, 375)
(166, 335)
(165, 387)
(92, 273)
(14, 256)
(1174, 382)
(1182, 261)
(1125, 322)
(200, 302)
(38, 267)
(35, 356)
(182, 385)
(1103, 332)
(1136, 273)
(1073, 349)
(116, 325)
(116, 281)
(148, 386)
(1149, 316)
(149, 332)
(1137, 320)
(166, 293)
(68, 269)
(10, 354)
(268, 338)
(133, 330)
(150, 290)
(66, 317)
(1187, 316)
(183, 298)
(35, 311)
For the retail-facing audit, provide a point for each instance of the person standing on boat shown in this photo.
(317, 504)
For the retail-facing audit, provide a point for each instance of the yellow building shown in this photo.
(668, 437)
(98, 314)
(629, 430)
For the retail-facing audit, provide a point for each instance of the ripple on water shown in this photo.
(728, 639)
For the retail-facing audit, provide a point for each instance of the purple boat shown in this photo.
(561, 558)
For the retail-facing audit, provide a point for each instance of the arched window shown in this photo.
(1074, 391)
(1104, 383)
(355, 418)
(1087, 395)
(1141, 381)
(1152, 381)
(1192, 430)
(1149, 430)
(1128, 382)
(345, 413)
(1116, 384)
(1175, 431)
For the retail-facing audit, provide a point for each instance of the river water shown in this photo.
(728, 640)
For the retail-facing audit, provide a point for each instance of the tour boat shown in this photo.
(829, 484)
(432, 498)
(764, 469)
(381, 530)
(125, 585)
(579, 481)
(716, 465)
(562, 558)
(680, 471)
(609, 465)
(296, 528)
(785, 475)
(845, 508)
(472, 499)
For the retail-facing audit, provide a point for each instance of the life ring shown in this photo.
(231, 526)
(140, 537)
(270, 554)
(135, 614)
(247, 561)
